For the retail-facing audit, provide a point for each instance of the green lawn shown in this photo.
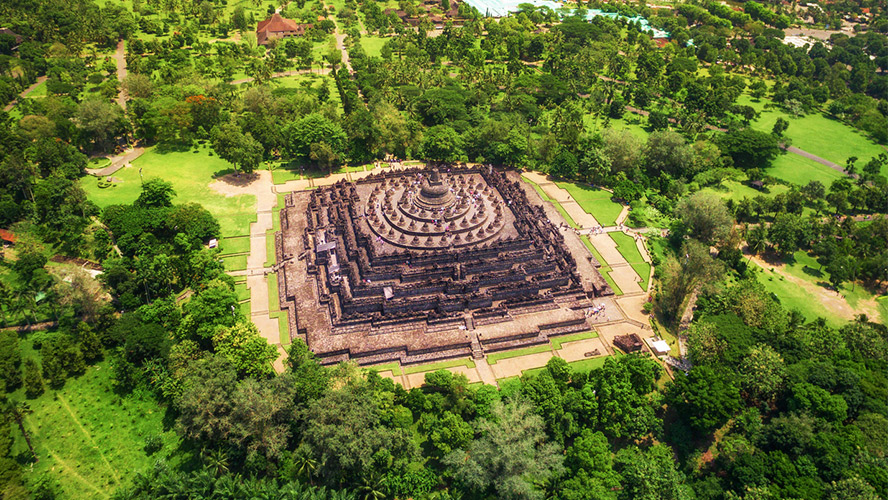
(558, 342)
(594, 201)
(605, 269)
(239, 244)
(290, 171)
(373, 45)
(243, 293)
(89, 440)
(442, 365)
(190, 174)
(235, 262)
(629, 250)
(493, 358)
(818, 134)
(800, 170)
(734, 190)
(792, 296)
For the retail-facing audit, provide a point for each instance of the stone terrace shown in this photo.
(422, 265)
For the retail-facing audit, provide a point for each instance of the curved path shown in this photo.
(24, 93)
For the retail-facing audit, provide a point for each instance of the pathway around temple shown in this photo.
(625, 315)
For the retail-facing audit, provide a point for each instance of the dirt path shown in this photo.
(120, 58)
(25, 93)
(803, 153)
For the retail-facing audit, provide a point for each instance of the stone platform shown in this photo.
(420, 265)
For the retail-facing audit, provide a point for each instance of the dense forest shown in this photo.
(773, 406)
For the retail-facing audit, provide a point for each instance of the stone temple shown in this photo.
(421, 264)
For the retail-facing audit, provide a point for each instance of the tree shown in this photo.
(749, 148)
(762, 374)
(206, 403)
(156, 193)
(622, 148)
(215, 306)
(706, 398)
(442, 143)
(705, 345)
(99, 120)
(10, 361)
(511, 452)
(706, 216)
(314, 128)
(789, 232)
(757, 239)
(650, 474)
(666, 151)
(232, 145)
(780, 126)
(694, 267)
(32, 378)
(328, 427)
(249, 353)
(17, 411)
(261, 416)
(564, 165)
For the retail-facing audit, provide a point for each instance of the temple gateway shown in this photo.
(423, 264)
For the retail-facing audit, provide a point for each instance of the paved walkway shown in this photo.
(117, 162)
(24, 93)
(256, 272)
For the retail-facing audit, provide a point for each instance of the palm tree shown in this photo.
(306, 465)
(216, 460)
(371, 487)
(17, 410)
(23, 304)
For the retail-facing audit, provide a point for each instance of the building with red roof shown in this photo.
(277, 26)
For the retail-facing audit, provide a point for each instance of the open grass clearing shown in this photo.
(802, 285)
(734, 190)
(558, 342)
(190, 174)
(89, 439)
(594, 201)
(800, 170)
(243, 293)
(817, 134)
(373, 45)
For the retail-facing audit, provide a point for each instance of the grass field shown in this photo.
(817, 134)
(228, 246)
(800, 170)
(190, 175)
(493, 358)
(605, 269)
(734, 190)
(442, 365)
(594, 201)
(373, 45)
(629, 250)
(89, 440)
(235, 262)
(792, 296)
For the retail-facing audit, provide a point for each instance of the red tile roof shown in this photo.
(7, 236)
(278, 26)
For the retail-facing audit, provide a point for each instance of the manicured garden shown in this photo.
(629, 250)
(799, 170)
(594, 201)
(605, 269)
(190, 173)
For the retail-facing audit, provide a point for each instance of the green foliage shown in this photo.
(248, 352)
(10, 360)
(32, 378)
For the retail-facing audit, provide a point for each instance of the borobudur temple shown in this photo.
(421, 264)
